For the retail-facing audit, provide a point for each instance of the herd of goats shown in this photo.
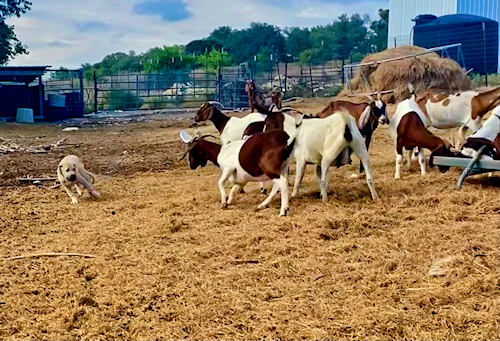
(258, 146)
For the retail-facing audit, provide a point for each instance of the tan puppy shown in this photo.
(71, 172)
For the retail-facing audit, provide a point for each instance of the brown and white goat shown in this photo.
(256, 97)
(368, 115)
(408, 130)
(463, 109)
(230, 128)
(261, 157)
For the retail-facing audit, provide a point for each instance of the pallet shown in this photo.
(472, 166)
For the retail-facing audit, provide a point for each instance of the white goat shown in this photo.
(322, 140)
(486, 135)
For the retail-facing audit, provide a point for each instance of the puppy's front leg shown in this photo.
(79, 189)
(74, 198)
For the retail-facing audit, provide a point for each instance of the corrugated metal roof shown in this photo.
(7, 68)
(21, 74)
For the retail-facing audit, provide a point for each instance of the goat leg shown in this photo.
(421, 161)
(271, 196)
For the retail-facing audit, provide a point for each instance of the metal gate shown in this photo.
(70, 84)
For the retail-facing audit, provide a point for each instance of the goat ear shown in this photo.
(365, 116)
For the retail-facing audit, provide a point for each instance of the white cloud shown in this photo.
(72, 32)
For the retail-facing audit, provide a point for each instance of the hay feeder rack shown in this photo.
(471, 166)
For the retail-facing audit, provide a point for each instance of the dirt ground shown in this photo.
(170, 264)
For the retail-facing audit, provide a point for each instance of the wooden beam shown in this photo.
(41, 95)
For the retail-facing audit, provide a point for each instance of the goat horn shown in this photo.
(203, 136)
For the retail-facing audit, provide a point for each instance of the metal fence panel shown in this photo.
(69, 83)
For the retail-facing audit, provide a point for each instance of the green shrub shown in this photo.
(120, 100)
(480, 80)
(155, 102)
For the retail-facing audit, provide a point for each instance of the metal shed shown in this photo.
(21, 87)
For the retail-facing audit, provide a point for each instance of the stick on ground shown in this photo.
(36, 179)
(50, 254)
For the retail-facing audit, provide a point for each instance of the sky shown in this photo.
(72, 32)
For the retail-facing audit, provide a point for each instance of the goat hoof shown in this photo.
(283, 214)
(223, 206)
(263, 191)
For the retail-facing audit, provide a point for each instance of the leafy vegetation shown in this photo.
(347, 38)
(480, 80)
(121, 100)
(10, 46)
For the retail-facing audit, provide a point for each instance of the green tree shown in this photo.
(213, 59)
(243, 45)
(311, 56)
(62, 74)
(221, 35)
(202, 45)
(166, 58)
(349, 35)
(88, 71)
(379, 31)
(297, 40)
(10, 46)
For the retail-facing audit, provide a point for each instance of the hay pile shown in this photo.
(426, 72)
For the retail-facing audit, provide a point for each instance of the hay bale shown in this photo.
(426, 72)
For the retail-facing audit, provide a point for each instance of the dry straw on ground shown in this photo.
(169, 264)
(425, 72)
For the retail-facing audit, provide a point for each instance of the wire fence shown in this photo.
(190, 88)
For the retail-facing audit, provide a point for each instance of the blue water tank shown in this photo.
(478, 36)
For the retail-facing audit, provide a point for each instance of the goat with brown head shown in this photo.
(199, 150)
